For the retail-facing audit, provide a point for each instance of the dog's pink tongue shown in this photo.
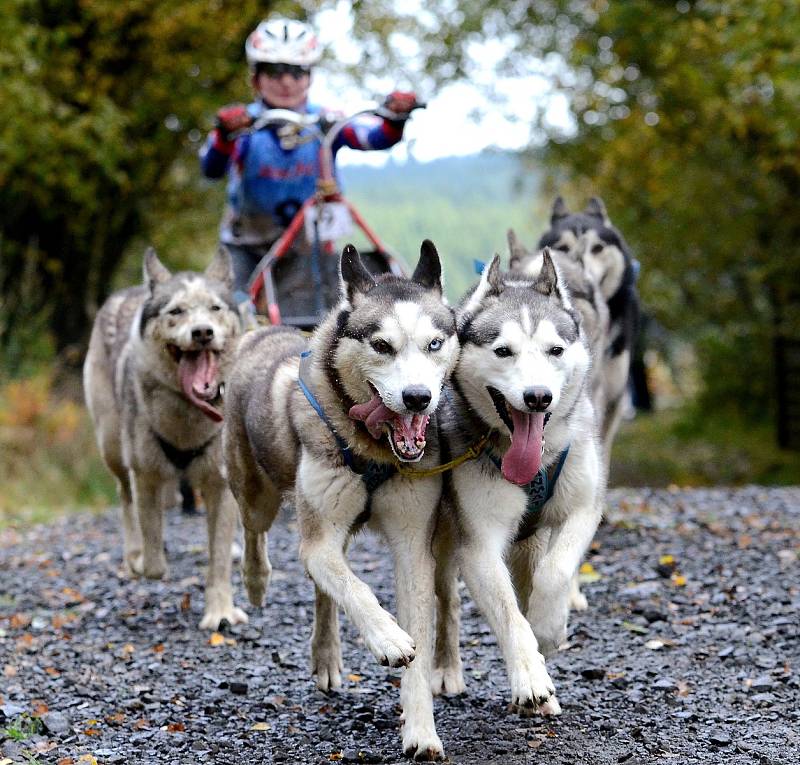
(523, 460)
(373, 414)
(198, 376)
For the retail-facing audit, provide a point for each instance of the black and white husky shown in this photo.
(531, 498)
(591, 237)
(340, 429)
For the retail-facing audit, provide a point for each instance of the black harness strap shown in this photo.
(181, 458)
(540, 490)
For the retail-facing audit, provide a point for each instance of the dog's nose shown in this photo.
(537, 399)
(416, 398)
(203, 335)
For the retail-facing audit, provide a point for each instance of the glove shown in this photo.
(232, 118)
(398, 105)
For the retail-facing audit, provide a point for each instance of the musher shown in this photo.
(267, 183)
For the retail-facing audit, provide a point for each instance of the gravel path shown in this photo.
(691, 660)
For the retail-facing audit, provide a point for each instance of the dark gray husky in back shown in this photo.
(590, 236)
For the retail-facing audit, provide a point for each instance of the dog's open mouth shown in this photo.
(198, 373)
(406, 432)
(523, 460)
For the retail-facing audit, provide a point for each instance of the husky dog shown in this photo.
(340, 427)
(607, 258)
(152, 379)
(529, 500)
(585, 295)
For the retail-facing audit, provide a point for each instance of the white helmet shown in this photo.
(283, 41)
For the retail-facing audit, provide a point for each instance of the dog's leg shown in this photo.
(408, 532)
(488, 579)
(131, 532)
(447, 676)
(326, 647)
(328, 502)
(548, 605)
(147, 494)
(221, 520)
(259, 502)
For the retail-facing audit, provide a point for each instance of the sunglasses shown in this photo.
(274, 71)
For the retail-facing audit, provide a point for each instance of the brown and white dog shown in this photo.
(153, 376)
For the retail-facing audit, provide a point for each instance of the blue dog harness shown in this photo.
(540, 490)
(373, 474)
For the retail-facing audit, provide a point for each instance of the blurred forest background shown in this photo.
(684, 120)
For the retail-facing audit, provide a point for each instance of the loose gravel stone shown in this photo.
(123, 670)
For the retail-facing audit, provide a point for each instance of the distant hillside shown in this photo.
(464, 204)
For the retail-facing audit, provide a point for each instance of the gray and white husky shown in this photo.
(152, 377)
(531, 498)
(592, 237)
(339, 429)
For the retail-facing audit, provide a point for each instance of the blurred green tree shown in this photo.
(686, 120)
(98, 98)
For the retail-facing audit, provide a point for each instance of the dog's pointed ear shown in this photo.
(518, 253)
(428, 272)
(559, 210)
(547, 281)
(597, 209)
(155, 272)
(221, 267)
(355, 277)
(491, 283)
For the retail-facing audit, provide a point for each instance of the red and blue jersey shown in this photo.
(267, 183)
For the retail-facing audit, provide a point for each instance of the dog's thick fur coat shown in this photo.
(391, 342)
(157, 357)
(523, 359)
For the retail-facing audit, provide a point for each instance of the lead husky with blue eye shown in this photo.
(339, 421)
(530, 500)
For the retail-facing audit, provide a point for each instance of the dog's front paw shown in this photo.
(256, 583)
(390, 645)
(577, 600)
(448, 680)
(550, 626)
(154, 567)
(326, 665)
(531, 686)
(422, 743)
(134, 564)
(214, 616)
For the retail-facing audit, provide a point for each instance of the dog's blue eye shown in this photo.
(175, 311)
(556, 350)
(503, 351)
(381, 346)
(435, 344)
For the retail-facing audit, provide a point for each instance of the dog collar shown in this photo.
(540, 490)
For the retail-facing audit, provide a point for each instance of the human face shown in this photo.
(283, 90)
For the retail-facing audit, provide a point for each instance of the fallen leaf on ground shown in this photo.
(679, 580)
(260, 726)
(631, 627)
(216, 639)
(355, 678)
